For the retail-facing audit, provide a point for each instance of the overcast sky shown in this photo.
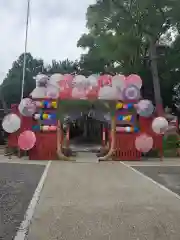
(55, 26)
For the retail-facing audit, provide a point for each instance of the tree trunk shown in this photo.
(156, 83)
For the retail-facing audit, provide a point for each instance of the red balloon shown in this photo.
(27, 140)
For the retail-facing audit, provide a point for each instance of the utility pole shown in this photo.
(25, 48)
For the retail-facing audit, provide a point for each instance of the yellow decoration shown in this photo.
(41, 104)
(128, 118)
(54, 104)
(119, 106)
(45, 116)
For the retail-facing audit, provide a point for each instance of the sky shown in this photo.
(54, 29)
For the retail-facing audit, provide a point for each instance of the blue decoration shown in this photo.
(46, 103)
(36, 128)
(53, 116)
(120, 118)
(130, 105)
(136, 130)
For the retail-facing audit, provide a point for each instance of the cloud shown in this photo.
(54, 28)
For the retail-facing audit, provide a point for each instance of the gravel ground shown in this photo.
(17, 185)
(168, 176)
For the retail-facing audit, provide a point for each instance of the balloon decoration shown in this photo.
(145, 108)
(41, 80)
(135, 80)
(119, 81)
(108, 93)
(55, 79)
(27, 107)
(26, 140)
(11, 123)
(131, 93)
(52, 92)
(144, 143)
(104, 80)
(160, 125)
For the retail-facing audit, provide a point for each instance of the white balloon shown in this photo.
(52, 92)
(55, 79)
(119, 81)
(93, 80)
(108, 93)
(160, 125)
(11, 123)
(41, 79)
(79, 80)
(39, 92)
(27, 107)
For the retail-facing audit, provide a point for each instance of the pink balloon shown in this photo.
(79, 93)
(68, 78)
(104, 80)
(144, 143)
(26, 140)
(134, 79)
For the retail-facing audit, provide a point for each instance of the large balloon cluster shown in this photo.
(105, 87)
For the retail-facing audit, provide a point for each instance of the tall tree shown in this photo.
(11, 87)
(127, 33)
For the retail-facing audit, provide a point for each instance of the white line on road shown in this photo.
(24, 227)
(150, 179)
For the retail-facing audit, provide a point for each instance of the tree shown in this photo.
(11, 87)
(10, 91)
(63, 67)
(126, 33)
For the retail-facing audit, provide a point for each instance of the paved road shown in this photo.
(17, 185)
(106, 201)
(169, 176)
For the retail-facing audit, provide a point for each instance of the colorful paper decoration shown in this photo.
(127, 129)
(37, 116)
(11, 123)
(36, 128)
(27, 107)
(121, 105)
(160, 125)
(26, 140)
(127, 118)
(131, 93)
(47, 104)
(54, 104)
(44, 128)
(144, 143)
(145, 108)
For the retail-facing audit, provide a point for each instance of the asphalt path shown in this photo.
(17, 185)
(168, 176)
